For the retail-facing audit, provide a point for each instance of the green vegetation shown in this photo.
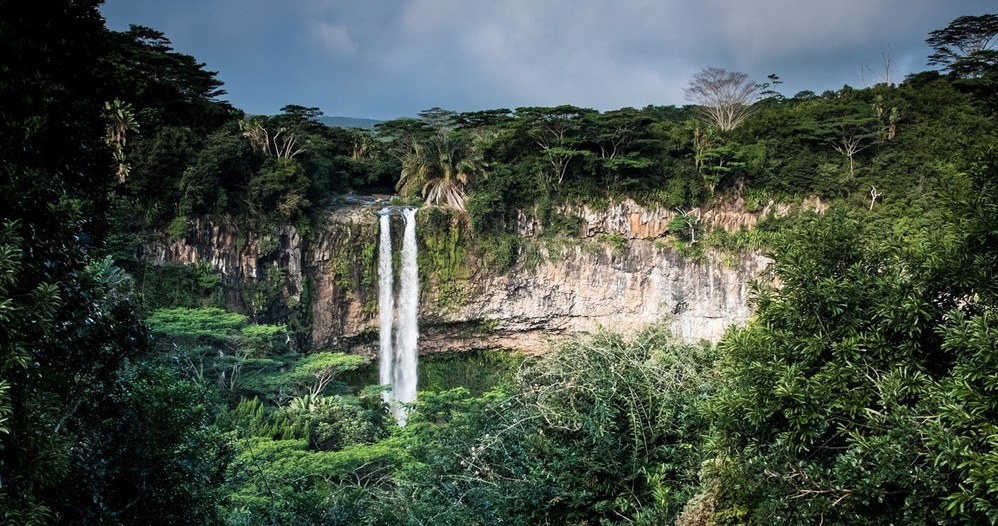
(90, 432)
(541, 450)
(864, 147)
(476, 371)
(863, 391)
(617, 241)
(840, 404)
(443, 255)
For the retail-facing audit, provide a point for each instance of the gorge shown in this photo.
(617, 271)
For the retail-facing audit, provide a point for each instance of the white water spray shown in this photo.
(386, 303)
(398, 364)
(408, 333)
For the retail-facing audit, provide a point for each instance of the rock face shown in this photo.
(241, 257)
(591, 284)
(585, 284)
(595, 285)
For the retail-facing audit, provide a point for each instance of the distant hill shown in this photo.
(349, 122)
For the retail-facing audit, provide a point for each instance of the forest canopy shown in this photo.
(861, 392)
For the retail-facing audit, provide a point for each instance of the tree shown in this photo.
(311, 462)
(311, 375)
(963, 435)
(121, 120)
(768, 90)
(283, 136)
(619, 137)
(559, 132)
(279, 186)
(174, 102)
(59, 343)
(713, 157)
(439, 119)
(724, 98)
(863, 390)
(218, 179)
(439, 168)
(165, 87)
(482, 120)
(400, 136)
(848, 127)
(821, 416)
(620, 421)
(157, 162)
(209, 325)
(685, 224)
(157, 457)
(965, 47)
(79, 441)
(600, 431)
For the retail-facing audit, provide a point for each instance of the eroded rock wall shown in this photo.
(580, 286)
(594, 285)
(240, 256)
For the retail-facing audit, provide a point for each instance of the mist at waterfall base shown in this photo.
(397, 365)
(476, 370)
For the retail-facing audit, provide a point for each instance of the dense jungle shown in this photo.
(135, 389)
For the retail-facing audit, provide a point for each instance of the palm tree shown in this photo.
(439, 168)
(121, 120)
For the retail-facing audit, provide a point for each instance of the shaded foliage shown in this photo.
(857, 394)
(76, 445)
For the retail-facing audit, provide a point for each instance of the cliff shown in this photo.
(617, 273)
(591, 286)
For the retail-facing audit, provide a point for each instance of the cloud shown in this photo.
(384, 59)
(520, 52)
(334, 39)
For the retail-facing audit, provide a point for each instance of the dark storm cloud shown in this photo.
(389, 58)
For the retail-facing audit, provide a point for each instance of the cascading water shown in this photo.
(398, 364)
(386, 302)
(408, 333)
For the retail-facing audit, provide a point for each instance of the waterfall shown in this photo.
(386, 302)
(408, 332)
(398, 364)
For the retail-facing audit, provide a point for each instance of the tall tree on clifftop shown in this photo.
(966, 47)
(559, 132)
(724, 97)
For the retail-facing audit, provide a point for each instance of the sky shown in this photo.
(384, 59)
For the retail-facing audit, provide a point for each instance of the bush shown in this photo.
(177, 229)
(501, 251)
(821, 415)
(603, 430)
